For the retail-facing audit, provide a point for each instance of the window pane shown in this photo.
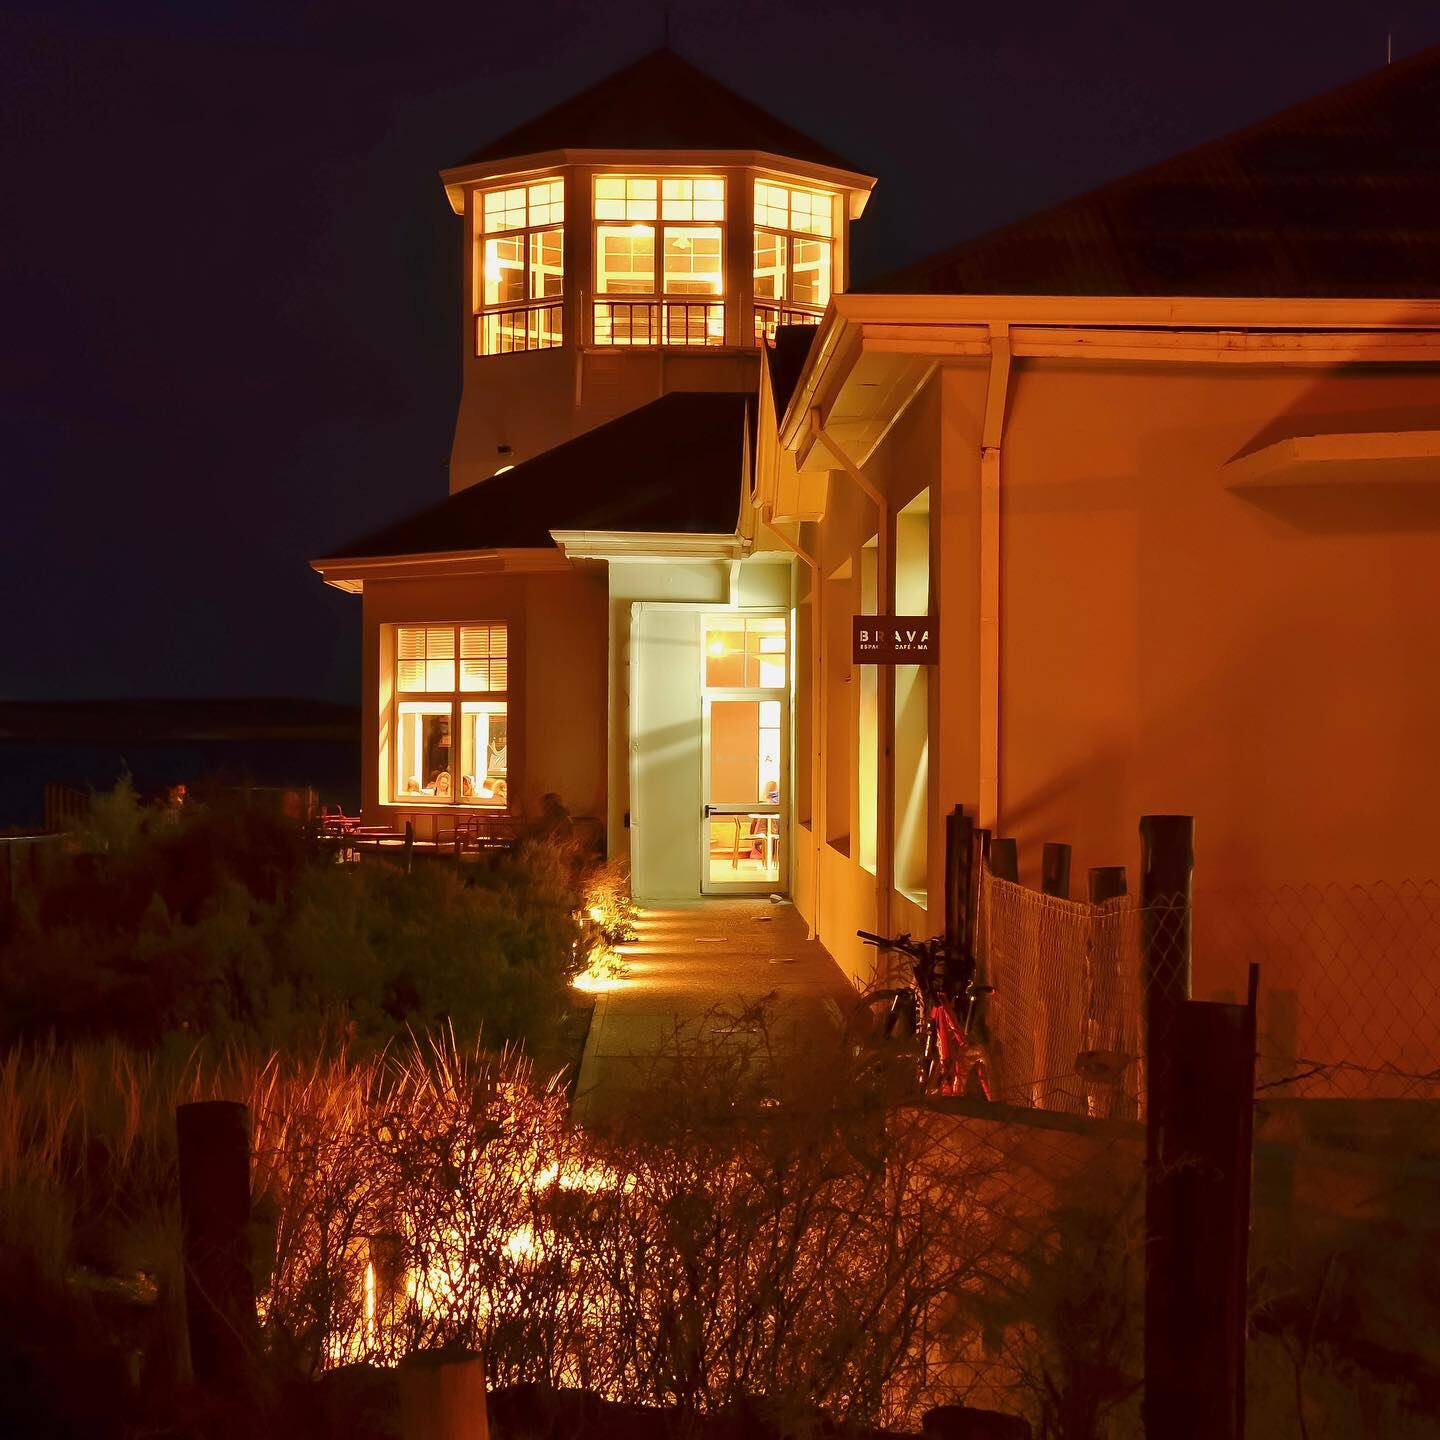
(505, 270)
(547, 264)
(504, 210)
(483, 662)
(547, 202)
(693, 263)
(710, 199)
(484, 752)
(677, 199)
(769, 266)
(625, 260)
(772, 205)
(626, 197)
(811, 279)
(810, 212)
(422, 752)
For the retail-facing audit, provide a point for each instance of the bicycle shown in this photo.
(938, 1008)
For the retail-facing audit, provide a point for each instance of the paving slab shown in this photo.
(693, 968)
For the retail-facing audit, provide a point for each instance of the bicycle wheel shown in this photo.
(882, 1034)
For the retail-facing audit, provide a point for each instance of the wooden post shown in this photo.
(1005, 860)
(1055, 870)
(959, 845)
(442, 1396)
(214, 1161)
(1107, 882)
(409, 846)
(1166, 866)
(1195, 1367)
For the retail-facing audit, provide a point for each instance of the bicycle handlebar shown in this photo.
(902, 943)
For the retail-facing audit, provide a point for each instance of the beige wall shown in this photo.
(827, 855)
(1266, 661)
(557, 681)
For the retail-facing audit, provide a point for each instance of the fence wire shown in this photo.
(1347, 1004)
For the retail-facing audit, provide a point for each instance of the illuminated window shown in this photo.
(659, 260)
(451, 714)
(794, 235)
(745, 652)
(521, 264)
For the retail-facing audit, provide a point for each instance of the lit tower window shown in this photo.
(794, 240)
(521, 264)
(659, 260)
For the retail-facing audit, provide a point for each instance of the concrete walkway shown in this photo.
(691, 960)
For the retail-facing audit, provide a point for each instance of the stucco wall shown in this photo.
(1268, 662)
(557, 678)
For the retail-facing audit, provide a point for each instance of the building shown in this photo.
(1160, 466)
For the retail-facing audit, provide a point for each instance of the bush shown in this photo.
(227, 925)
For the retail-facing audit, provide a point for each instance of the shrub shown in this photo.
(226, 924)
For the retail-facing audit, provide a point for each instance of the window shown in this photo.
(745, 652)
(794, 232)
(451, 729)
(912, 707)
(521, 281)
(659, 260)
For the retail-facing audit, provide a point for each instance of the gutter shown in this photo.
(992, 435)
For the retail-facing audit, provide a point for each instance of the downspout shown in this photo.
(817, 770)
(991, 435)
(885, 841)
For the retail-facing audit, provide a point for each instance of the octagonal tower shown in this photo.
(640, 238)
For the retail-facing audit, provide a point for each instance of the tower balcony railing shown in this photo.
(525, 327)
(769, 317)
(658, 322)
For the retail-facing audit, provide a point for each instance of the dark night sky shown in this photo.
(228, 321)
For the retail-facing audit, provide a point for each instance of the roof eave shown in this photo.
(350, 572)
(648, 545)
(855, 184)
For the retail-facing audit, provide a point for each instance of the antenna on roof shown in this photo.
(1389, 46)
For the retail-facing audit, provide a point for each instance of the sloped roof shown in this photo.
(785, 360)
(1336, 197)
(660, 102)
(674, 465)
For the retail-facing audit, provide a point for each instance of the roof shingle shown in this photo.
(1338, 197)
(674, 465)
(660, 102)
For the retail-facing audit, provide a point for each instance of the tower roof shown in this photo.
(660, 102)
(1338, 196)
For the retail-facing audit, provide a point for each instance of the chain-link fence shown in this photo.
(1349, 984)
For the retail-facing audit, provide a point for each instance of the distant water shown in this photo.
(27, 766)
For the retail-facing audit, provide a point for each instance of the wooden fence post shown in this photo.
(409, 846)
(1005, 860)
(1107, 882)
(959, 848)
(442, 1396)
(213, 1142)
(1195, 1378)
(1055, 870)
(1167, 858)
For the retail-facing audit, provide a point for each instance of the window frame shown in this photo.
(659, 304)
(457, 699)
(786, 310)
(538, 334)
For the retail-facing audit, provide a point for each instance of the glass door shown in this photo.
(745, 756)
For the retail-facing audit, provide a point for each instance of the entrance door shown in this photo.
(745, 765)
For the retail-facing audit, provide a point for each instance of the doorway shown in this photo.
(744, 832)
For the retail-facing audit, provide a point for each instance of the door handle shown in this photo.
(707, 812)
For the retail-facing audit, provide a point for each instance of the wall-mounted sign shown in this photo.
(895, 640)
